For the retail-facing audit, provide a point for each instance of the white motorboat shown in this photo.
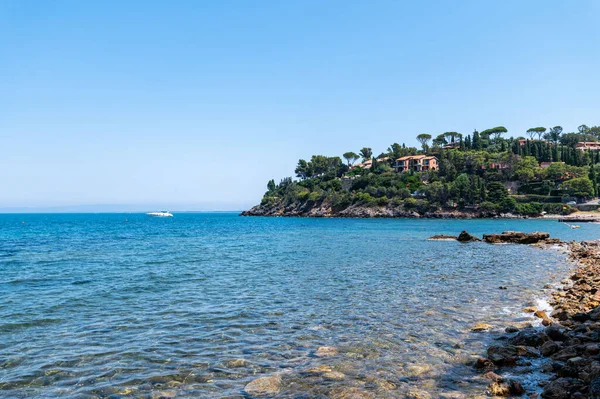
(161, 214)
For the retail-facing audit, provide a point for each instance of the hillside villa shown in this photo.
(418, 163)
(588, 145)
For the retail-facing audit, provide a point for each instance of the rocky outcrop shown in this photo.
(443, 237)
(507, 237)
(466, 237)
(515, 237)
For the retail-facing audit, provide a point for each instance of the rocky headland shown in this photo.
(362, 211)
(325, 210)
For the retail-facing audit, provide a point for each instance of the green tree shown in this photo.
(495, 131)
(439, 141)
(556, 171)
(536, 130)
(436, 192)
(496, 192)
(395, 151)
(579, 187)
(508, 204)
(593, 178)
(554, 134)
(476, 141)
(302, 170)
(271, 185)
(461, 188)
(366, 153)
(526, 168)
(452, 136)
(350, 157)
(424, 138)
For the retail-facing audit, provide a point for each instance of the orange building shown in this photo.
(418, 163)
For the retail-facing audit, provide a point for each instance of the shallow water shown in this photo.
(198, 305)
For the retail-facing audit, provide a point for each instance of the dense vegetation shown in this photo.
(483, 171)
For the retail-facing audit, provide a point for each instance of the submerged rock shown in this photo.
(236, 363)
(418, 394)
(263, 387)
(351, 393)
(334, 376)
(327, 351)
(481, 327)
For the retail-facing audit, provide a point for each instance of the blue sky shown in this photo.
(196, 104)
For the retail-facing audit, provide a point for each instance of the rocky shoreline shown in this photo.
(361, 211)
(569, 343)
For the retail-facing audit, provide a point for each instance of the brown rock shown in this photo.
(506, 388)
(516, 237)
(263, 387)
(503, 355)
(483, 363)
(481, 327)
(540, 314)
(490, 375)
(466, 237)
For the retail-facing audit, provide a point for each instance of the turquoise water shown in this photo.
(198, 305)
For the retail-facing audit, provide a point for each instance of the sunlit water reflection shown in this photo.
(198, 305)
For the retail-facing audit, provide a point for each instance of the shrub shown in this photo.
(314, 196)
(383, 201)
(410, 202)
(488, 207)
(396, 201)
(558, 209)
(532, 208)
(538, 198)
(423, 206)
(303, 195)
(508, 204)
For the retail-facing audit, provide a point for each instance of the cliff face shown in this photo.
(355, 211)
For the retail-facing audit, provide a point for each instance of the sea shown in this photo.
(200, 304)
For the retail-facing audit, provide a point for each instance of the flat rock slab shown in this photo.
(516, 237)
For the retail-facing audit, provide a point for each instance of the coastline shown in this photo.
(365, 212)
(565, 350)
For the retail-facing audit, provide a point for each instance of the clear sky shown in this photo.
(196, 104)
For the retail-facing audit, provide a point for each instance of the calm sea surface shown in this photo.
(198, 305)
